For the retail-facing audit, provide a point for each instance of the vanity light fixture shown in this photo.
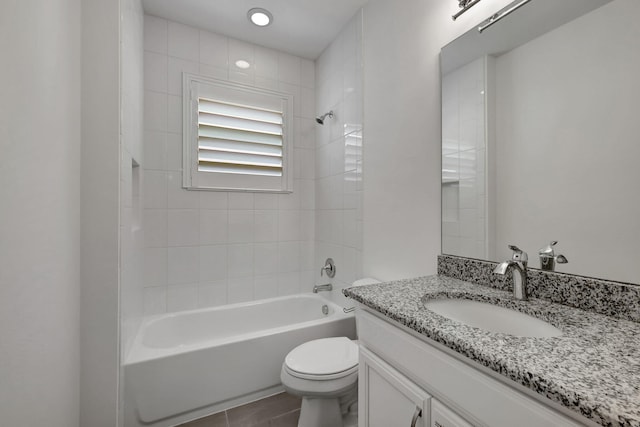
(501, 14)
(260, 17)
(241, 63)
(465, 5)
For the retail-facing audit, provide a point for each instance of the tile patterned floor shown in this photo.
(280, 410)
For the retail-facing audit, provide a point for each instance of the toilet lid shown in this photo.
(325, 356)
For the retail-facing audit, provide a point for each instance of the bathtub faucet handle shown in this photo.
(329, 268)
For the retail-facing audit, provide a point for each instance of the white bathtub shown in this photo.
(188, 364)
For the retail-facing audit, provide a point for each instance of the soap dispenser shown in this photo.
(548, 258)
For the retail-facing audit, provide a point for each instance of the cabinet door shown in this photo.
(441, 416)
(387, 398)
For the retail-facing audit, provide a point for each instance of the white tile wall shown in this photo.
(338, 185)
(211, 248)
(463, 129)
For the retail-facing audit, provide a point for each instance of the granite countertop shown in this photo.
(593, 368)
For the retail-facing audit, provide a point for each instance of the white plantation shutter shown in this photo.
(239, 139)
(236, 137)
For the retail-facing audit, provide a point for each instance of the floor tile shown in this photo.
(215, 420)
(258, 414)
(287, 420)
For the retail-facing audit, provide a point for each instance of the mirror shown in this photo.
(541, 137)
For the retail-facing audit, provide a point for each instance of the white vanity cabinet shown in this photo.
(401, 372)
(388, 398)
(441, 416)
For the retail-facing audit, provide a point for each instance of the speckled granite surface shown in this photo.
(611, 298)
(592, 369)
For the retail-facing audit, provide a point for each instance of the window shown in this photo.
(236, 137)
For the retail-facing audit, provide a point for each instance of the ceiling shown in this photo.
(300, 27)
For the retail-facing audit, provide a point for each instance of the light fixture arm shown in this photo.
(465, 5)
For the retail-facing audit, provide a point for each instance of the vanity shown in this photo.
(538, 146)
(419, 368)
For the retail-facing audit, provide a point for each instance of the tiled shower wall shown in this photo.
(205, 248)
(339, 158)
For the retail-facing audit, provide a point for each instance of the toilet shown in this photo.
(324, 372)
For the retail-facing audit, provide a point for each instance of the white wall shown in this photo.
(402, 122)
(39, 213)
(338, 157)
(569, 171)
(100, 222)
(131, 227)
(208, 248)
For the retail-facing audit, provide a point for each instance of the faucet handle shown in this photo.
(519, 255)
(515, 248)
(548, 250)
(329, 268)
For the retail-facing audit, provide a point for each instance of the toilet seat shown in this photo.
(323, 359)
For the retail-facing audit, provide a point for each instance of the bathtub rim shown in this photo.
(139, 353)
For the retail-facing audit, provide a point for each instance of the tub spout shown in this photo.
(327, 287)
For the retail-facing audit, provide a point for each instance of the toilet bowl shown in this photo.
(324, 372)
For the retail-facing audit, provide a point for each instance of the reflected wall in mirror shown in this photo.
(541, 137)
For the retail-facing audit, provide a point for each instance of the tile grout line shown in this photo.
(287, 413)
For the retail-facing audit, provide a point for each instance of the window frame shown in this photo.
(196, 86)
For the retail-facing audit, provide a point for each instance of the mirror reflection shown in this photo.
(541, 139)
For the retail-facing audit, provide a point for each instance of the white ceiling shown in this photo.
(300, 27)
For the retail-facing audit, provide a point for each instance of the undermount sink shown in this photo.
(492, 318)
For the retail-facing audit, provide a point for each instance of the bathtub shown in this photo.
(189, 364)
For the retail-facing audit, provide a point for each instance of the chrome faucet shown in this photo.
(548, 257)
(518, 264)
(327, 287)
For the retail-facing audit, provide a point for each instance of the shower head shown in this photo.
(320, 119)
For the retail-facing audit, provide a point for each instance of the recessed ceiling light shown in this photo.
(260, 17)
(241, 63)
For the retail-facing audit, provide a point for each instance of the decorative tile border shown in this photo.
(616, 299)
